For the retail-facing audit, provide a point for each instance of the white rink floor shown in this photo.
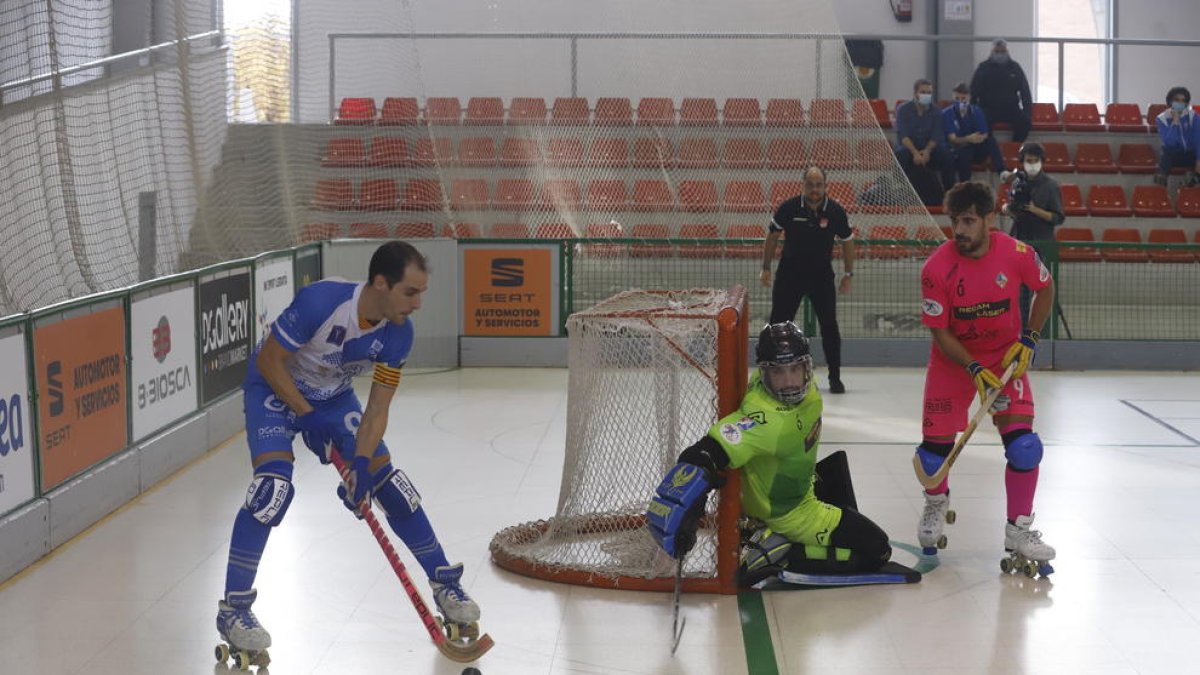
(1119, 499)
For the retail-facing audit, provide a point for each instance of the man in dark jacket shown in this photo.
(968, 134)
(1001, 89)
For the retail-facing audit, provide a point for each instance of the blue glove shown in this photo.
(317, 433)
(356, 484)
(676, 508)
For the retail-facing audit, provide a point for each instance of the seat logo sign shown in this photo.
(508, 272)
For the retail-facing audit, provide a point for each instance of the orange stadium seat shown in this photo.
(1125, 235)
(862, 115)
(887, 251)
(514, 194)
(1058, 160)
(697, 153)
(527, 111)
(873, 154)
(652, 195)
(344, 152)
(1189, 202)
(843, 193)
(570, 112)
(355, 111)
(564, 152)
(432, 151)
(831, 153)
(1124, 117)
(399, 111)
(931, 237)
(510, 231)
(1169, 255)
(604, 231)
(1094, 158)
(1107, 200)
(554, 231)
(1082, 117)
(606, 196)
(699, 232)
(741, 112)
(1045, 117)
(415, 231)
(653, 153)
(468, 194)
(519, 152)
(827, 112)
(333, 194)
(466, 231)
(655, 250)
(368, 231)
(1136, 158)
(1072, 199)
(1076, 254)
(442, 111)
(422, 194)
(783, 190)
(656, 111)
(613, 112)
(698, 196)
(378, 194)
(561, 195)
(388, 151)
(319, 232)
(484, 111)
(698, 112)
(611, 153)
(744, 196)
(786, 153)
(785, 112)
(1152, 201)
(480, 151)
(743, 153)
(745, 231)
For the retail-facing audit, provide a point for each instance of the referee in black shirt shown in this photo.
(812, 222)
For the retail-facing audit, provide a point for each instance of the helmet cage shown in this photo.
(787, 381)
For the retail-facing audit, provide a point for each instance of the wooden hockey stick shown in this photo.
(938, 476)
(676, 628)
(453, 650)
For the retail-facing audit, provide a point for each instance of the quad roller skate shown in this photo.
(245, 640)
(1027, 553)
(459, 615)
(934, 518)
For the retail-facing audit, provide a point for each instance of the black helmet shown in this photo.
(781, 347)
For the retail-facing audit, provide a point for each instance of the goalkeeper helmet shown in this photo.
(784, 362)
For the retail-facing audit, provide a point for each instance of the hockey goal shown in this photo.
(650, 371)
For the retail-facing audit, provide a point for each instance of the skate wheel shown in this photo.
(471, 631)
(241, 660)
(222, 653)
(453, 631)
(941, 542)
(951, 516)
(262, 659)
(1031, 570)
(1006, 565)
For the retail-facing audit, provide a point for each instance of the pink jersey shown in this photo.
(978, 299)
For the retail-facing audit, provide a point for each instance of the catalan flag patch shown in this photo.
(386, 375)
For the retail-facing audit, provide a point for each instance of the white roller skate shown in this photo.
(460, 614)
(246, 641)
(1027, 553)
(937, 515)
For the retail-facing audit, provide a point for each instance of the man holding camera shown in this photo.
(1034, 204)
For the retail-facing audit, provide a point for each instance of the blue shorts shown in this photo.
(271, 426)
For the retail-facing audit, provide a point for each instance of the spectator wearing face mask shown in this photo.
(1001, 89)
(968, 134)
(921, 144)
(1036, 207)
(1180, 135)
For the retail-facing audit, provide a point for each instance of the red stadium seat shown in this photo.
(516, 152)
(1058, 160)
(655, 111)
(466, 231)
(355, 111)
(931, 237)
(333, 194)
(698, 196)
(785, 112)
(743, 153)
(1107, 200)
(741, 112)
(564, 152)
(874, 154)
(745, 231)
(378, 194)
(1011, 151)
(477, 152)
(1170, 255)
(1082, 117)
(1076, 254)
(700, 233)
(1072, 199)
(415, 231)
(1094, 158)
(484, 111)
(698, 112)
(843, 193)
(319, 232)
(655, 250)
(652, 195)
(1124, 117)
(442, 111)
(510, 231)
(827, 112)
(432, 152)
(604, 231)
(570, 112)
(606, 196)
(1125, 235)
(888, 251)
(388, 151)
(1152, 201)
(786, 153)
(1189, 202)
(527, 111)
(831, 153)
(697, 153)
(344, 152)
(399, 112)
(554, 231)
(422, 194)
(653, 153)
(514, 194)
(744, 196)
(368, 231)
(883, 116)
(1136, 158)
(1152, 113)
(1045, 117)
(561, 195)
(468, 194)
(862, 114)
(613, 112)
(611, 153)
(783, 190)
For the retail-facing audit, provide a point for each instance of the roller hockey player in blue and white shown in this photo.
(299, 381)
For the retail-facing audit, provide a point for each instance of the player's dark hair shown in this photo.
(962, 88)
(392, 260)
(1176, 91)
(919, 83)
(961, 197)
(1032, 149)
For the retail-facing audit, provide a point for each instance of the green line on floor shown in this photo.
(756, 635)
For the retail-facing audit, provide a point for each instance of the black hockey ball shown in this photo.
(471, 671)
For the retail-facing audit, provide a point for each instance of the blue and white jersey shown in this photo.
(330, 345)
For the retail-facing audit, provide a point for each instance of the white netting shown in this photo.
(643, 386)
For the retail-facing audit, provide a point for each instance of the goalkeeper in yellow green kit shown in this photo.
(809, 526)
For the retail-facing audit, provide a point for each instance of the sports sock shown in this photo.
(1020, 486)
(249, 539)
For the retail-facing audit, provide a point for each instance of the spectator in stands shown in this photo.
(921, 144)
(1180, 135)
(1034, 204)
(999, 87)
(968, 134)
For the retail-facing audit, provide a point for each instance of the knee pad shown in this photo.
(763, 555)
(270, 494)
(933, 455)
(397, 495)
(1024, 452)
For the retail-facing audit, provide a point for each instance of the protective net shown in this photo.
(649, 373)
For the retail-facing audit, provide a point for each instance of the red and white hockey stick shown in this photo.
(462, 653)
(938, 476)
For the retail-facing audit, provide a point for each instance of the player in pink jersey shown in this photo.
(969, 300)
